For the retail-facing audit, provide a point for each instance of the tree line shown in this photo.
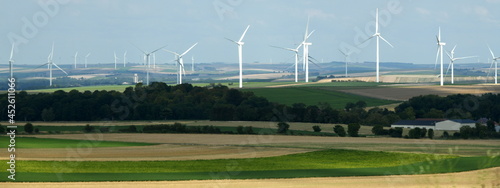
(160, 101)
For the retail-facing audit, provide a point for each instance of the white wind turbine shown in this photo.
(124, 58)
(11, 61)
(440, 54)
(86, 59)
(494, 60)
(240, 54)
(50, 63)
(76, 55)
(346, 55)
(452, 57)
(296, 51)
(192, 63)
(116, 59)
(180, 61)
(377, 34)
(305, 50)
(146, 59)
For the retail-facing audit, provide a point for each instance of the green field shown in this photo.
(326, 163)
(28, 142)
(313, 96)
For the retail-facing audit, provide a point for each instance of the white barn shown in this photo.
(436, 124)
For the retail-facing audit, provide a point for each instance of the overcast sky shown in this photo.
(101, 27)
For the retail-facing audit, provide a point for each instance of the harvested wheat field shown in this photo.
(480, 178)
(230, 146)
(405, 93)
(153, 153)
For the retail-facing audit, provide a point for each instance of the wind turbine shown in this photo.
(377, 34)
(346, 55)
(124, 58)
(180, 61)
(76, 54)
(192, 63)
(452, 57)
(494, 60)
(305, 47)
(146, 58)
(296, 51)
(116, 59)
(11, 61)
(440, 53)
(240, 54)
(86, 59)
(50, 63)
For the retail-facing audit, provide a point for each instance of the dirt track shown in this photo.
(481, 178)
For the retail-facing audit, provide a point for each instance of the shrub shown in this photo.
(248, 130)
(28, 127)
(239, 129)
(88, 128)
(445, 135)
(37, 130)
(339, 130)
(379, 130)
(430, 133)
(2, 130)
(415, 133)
(283, 127)
(352, 129)
(396, 132)
(317, 128)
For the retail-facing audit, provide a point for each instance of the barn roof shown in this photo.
(463, 120)
(417, 122)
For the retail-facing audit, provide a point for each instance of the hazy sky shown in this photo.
(101, 27)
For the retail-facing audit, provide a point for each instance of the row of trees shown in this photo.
(458, 106)
(160, 101)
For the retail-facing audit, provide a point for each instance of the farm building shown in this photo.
(436, 124)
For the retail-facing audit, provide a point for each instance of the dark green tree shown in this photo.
(283, 127)
(379, 130)
(316, 128)
(430, 133)
(48, 114)
(353, 129)
(339, 130)
(28, 127)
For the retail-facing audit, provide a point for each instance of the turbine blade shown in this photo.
(365, 40)
(60, 68)
(87, 55)
(189, 49)
(231, 40)
(310, 34)
(242, 36)
(311, 60)
(158, 49)
(138, 48)
(171, 52)
(453, 51)
(342, 52)
(437, 56)
(289, 49)
(451, 58)
(386, 41)
(376, 22)
(468, 57)
(492, 55)
(449, 66)
(41, 65)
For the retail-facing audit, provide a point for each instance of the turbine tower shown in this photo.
(192, 63)
(180, 61)
(86, 59)
(296, 51)
(240, 54)
(440, 54)
(305, 50)
(346, 55)
(378, 36)
(11, 61)
(50, 63)
(116, 59)
(124, 58)
(452, 57)
(494, 60)
(76, 55)
(146, 59)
